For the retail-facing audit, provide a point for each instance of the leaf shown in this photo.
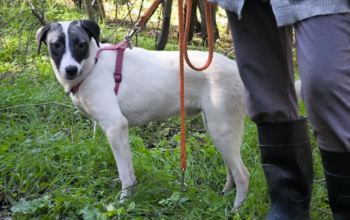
(23, 206)
(177, 137)
(121, 211)
(36, 150)
(4, 148)
(58, 136)
(183, 199)
(10, 199)
(89, 212)
(44, 184)
(59, 199)
(110, 208)
(131, 206)
(102, 217)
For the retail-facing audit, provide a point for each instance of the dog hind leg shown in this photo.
(226, 133)
(230, 181)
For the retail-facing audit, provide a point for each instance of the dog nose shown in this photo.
(71, 70)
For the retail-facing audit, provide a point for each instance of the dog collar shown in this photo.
(118, 65)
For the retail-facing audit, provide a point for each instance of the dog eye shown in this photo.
(81, 45)
(57, 45)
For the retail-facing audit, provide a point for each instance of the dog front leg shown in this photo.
(117, 133)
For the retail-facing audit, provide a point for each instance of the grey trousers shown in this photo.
(265, 61)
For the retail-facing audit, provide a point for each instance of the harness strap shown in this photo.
(118, 68)
(76, 87)
(118, 65)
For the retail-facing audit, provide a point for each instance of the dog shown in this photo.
(149, 91)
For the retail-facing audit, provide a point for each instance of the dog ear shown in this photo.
(41, 34)
(92, 29)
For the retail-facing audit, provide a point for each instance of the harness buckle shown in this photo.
(116, 78)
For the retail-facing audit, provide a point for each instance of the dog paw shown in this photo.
(126, 193)
(228, 186)
(124, 196)
(236, 207)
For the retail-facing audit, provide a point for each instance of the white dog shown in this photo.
(149, 91)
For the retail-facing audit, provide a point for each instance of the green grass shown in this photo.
(52, 167)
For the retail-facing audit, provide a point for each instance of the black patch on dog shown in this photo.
(56, 43)
(79, 42)
(92, 29)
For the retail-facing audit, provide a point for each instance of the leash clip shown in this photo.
(184, 187)
(129, 44)
(128, 36)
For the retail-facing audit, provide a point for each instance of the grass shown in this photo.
(54, 166)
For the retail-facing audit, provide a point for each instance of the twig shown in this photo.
(132, 22)
(138, 17)
(313, 207)
(13, 8)
(116, 28)
(230, 52)
(35, 13)
(163, 149)
(320, 180)
(155, 180)
(157, 29)
(14, 17)
(159, 183)
(4, 164)
(71, 131)
(38, 104)
(41, 19)
(32, 28)
(196, 47)
(42, 10)
(94, 129)
(315, 151)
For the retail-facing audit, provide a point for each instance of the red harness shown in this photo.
(118, 65)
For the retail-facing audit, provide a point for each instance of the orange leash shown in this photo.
(183, 164)
(187, 30)
(143, 19)
(183, 41)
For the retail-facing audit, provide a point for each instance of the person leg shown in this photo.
(323, 52)
(265, 61)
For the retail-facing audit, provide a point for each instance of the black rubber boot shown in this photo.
(286, 158)
(337, 171)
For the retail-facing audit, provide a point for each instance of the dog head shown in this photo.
(69, 45)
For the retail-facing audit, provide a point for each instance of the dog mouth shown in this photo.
(70, 77)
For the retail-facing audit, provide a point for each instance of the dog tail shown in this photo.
(298, 90)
